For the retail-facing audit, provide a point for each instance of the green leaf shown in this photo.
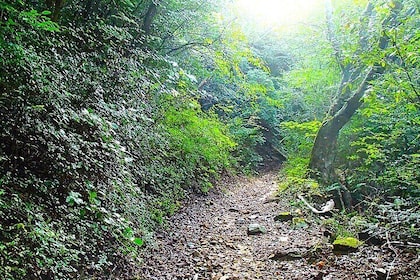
(128, 232)
(92, 196)
(74, 198)
(138, 241)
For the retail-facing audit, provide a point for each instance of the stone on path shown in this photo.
(254, 229)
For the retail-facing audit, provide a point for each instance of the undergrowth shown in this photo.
(384, 207)
(90, 162)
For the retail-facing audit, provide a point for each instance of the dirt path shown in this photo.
(208, 240)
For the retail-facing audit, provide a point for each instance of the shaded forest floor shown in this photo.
(208, 239)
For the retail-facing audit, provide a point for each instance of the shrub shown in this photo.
(87, 167)
(199, 140)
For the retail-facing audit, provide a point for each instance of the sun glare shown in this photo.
(277, 12)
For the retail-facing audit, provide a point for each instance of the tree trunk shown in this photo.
(325, 146)
(148, 18)
(55, 6)
(323, 152)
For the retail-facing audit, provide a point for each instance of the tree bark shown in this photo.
(148, 18)
(325, 146)
(55, 6)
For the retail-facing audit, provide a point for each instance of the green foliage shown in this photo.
(300, 136)
(384, 144)
(397, 218)
(298, 140)
(105, 128)
(200, 140)
(14, 17)
(88, 168)
(344, 225)
(378, 149)
(248, 136)
(235, 84)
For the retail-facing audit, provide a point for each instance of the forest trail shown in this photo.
(208, 239)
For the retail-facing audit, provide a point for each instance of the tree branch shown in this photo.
(410, 79)
(190, 44)
(331, 34)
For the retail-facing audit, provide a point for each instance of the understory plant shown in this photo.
(88, 167)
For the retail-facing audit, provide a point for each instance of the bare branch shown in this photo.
(328, 207)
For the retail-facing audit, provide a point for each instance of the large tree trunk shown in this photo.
(325, 146)
(323, 152)
(347, 102)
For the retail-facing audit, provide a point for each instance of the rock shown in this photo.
(298, 220)
(381, 273)
(272, 199)
(284, 238)
(254, 229)
(240, 221)
(283, 216)
(346, 244)
(288, 255)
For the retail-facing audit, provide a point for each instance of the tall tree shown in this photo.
(356, 77)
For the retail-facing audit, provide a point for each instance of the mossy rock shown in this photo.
(299, 222)
(346, 244)
(283, 216)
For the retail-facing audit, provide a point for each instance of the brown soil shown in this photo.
(208, 239)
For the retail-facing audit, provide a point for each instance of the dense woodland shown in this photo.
(114, 112)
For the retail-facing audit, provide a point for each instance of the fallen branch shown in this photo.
(388, 242)
(327, 207)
